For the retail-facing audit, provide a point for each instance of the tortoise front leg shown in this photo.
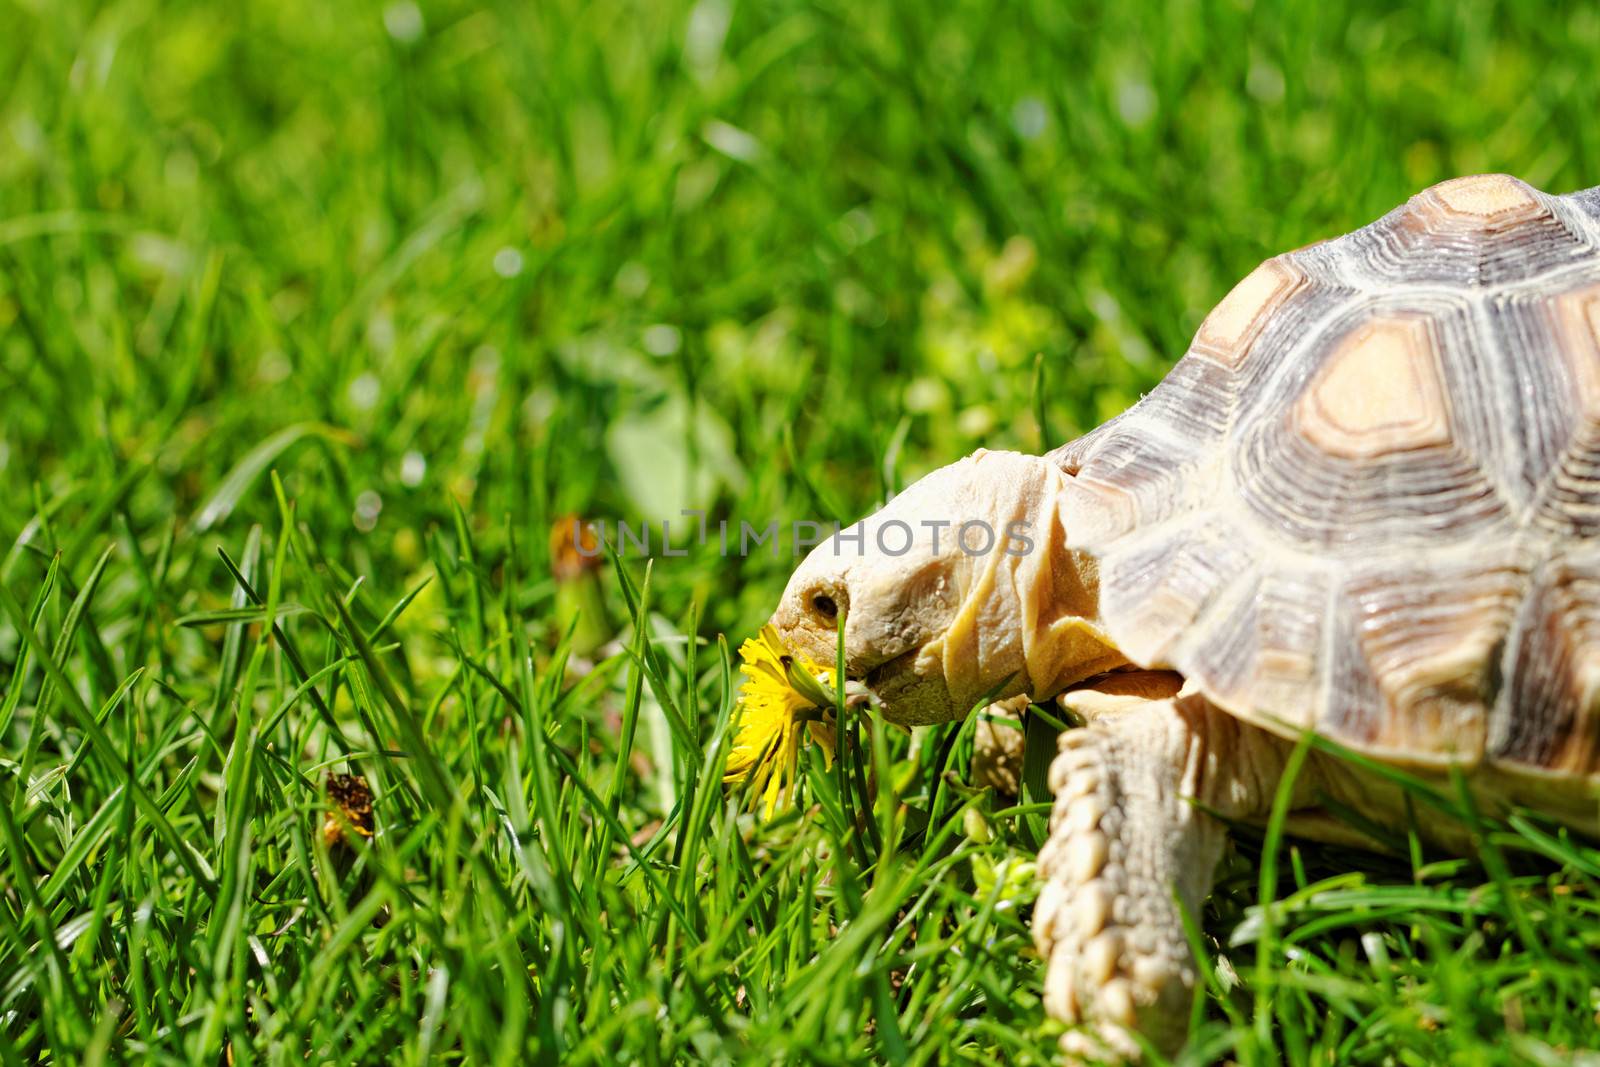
(1124, 836)
(997, 748)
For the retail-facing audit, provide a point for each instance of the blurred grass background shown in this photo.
(772, 259)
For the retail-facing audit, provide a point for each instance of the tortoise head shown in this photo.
(961, 589)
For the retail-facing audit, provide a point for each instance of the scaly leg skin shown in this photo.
(997, 740)
(1123, 836)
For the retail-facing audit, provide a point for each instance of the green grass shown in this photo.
(449, 274)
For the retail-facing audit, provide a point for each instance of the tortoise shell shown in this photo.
(1367, 499)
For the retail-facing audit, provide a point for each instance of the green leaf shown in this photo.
(238, 481)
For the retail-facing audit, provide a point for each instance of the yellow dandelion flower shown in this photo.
(774, 719)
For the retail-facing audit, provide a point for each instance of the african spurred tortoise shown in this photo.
(1363, 504)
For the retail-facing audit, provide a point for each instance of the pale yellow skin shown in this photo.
(944, 627)
(1125, 830)
(1363, 506)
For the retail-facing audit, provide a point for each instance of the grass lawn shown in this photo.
(315, 320)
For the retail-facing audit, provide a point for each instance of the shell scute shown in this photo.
(1549, 713)
(1179, 578)
(1429, 634)
(1486, 200)
(1380, 391)
(1569, 501)
(1484, 230)
(1228, 333)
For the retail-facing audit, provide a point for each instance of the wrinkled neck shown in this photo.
(1029, 618)
(1059, 598)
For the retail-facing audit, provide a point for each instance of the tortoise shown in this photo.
(1362, 507)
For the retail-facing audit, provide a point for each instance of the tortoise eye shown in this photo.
(825, 606)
